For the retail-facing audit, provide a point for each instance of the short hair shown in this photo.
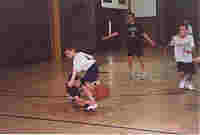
(178, 27)
(181, 24)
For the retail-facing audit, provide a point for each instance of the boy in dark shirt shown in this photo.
(135, 45)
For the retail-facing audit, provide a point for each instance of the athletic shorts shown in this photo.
(186, 67)
(73, 92)
(135, 47)
(91, 75)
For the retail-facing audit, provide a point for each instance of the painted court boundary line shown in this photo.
(89, 124)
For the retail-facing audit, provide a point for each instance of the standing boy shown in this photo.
(136, 36)
(184, 44)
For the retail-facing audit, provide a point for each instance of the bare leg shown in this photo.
(141, 64)
(89, 94)
(130, 66)
(82, 102)
(130, 63)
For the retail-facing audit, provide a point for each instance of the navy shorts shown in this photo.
(91, 75)
(187, 68)
(73, 92)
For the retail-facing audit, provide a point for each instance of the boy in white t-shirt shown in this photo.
(87, 63)
(183, 45)
(75, 94)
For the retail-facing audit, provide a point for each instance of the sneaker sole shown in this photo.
(90, 110)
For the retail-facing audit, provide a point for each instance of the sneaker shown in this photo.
(142, 75)
(94, 106)
(186, 84)
(190, 86)
(86, 107)
(182, 84)
(91, 108)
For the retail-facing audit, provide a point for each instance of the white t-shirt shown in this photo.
(82, 62)
(182, 45)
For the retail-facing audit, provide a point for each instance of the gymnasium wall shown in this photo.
(172, 13)
(119, 21)
(78, 24)
(24, 31)
(84, 22)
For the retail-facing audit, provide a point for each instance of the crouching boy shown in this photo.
(87, 63)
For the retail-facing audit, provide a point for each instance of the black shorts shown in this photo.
(91, 75)
(186, 67)
(135, 47)
(73, 92)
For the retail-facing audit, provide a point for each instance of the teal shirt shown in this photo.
(135, 31)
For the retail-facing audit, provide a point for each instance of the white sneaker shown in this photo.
(142, 75)
(186, 84)
(182, 84)
(92, 107)
(190, 87)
